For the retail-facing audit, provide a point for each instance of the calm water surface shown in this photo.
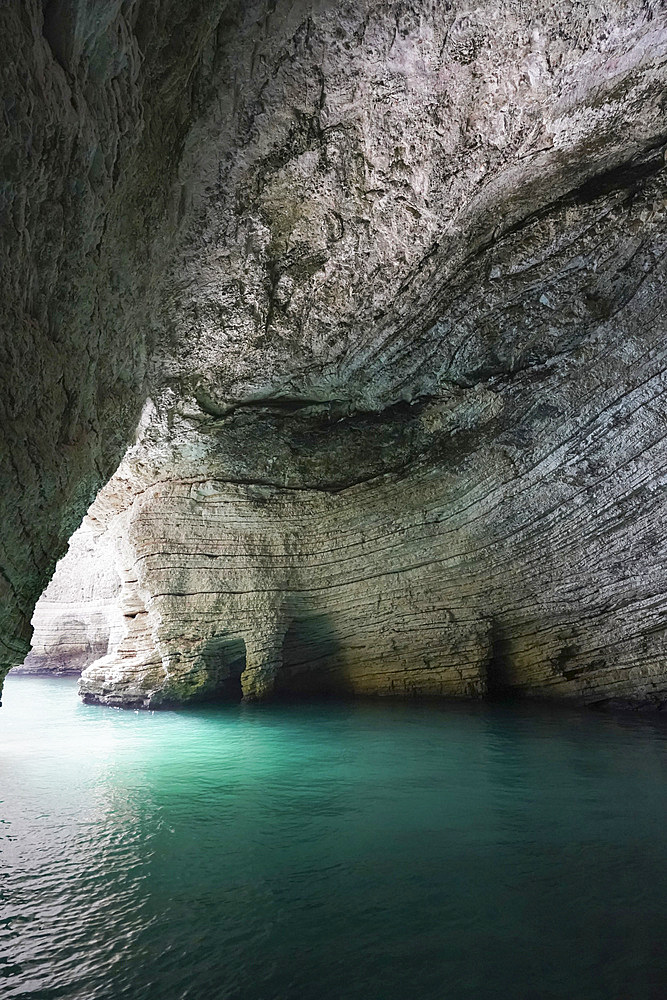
(336, 852)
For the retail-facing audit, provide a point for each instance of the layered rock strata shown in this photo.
(78, 617)
(500, 537)
(396, 270)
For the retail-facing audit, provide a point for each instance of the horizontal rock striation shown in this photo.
(388, 282)
(77, 619)
(531, 565)
(497, 538)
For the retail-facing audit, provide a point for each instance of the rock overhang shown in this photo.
(388, 258)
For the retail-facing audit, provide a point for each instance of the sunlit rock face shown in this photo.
(78, 617)
(402, 313)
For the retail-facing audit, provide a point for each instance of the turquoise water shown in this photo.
(329, 852)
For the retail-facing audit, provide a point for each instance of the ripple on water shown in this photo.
(331, 852)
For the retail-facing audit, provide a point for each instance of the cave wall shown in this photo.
(384, 281)
(500, 540)
(78, 617)
(95, 102)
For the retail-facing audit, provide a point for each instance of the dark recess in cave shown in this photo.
(311, 660)
(499, 686)
(225, 660)
(58, 29)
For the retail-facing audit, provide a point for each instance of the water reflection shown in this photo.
(329, 852)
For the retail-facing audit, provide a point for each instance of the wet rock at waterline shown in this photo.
(387, 284)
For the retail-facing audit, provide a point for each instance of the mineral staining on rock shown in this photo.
(401, 308)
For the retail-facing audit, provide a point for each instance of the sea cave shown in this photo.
(333, 570)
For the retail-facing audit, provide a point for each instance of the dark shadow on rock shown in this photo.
(225, 659)
(499, 680)
(311, 664)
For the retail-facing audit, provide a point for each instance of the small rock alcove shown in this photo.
(312, 659)
(499, 686)
(225, 660)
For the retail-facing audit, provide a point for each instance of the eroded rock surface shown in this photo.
(517, 552)
(95, 104)
(400, 296)
(78, 618)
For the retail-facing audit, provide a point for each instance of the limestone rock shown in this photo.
(94, 111)
(78, 617)
(386, 282)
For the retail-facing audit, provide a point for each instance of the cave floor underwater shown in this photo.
(329, 851)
